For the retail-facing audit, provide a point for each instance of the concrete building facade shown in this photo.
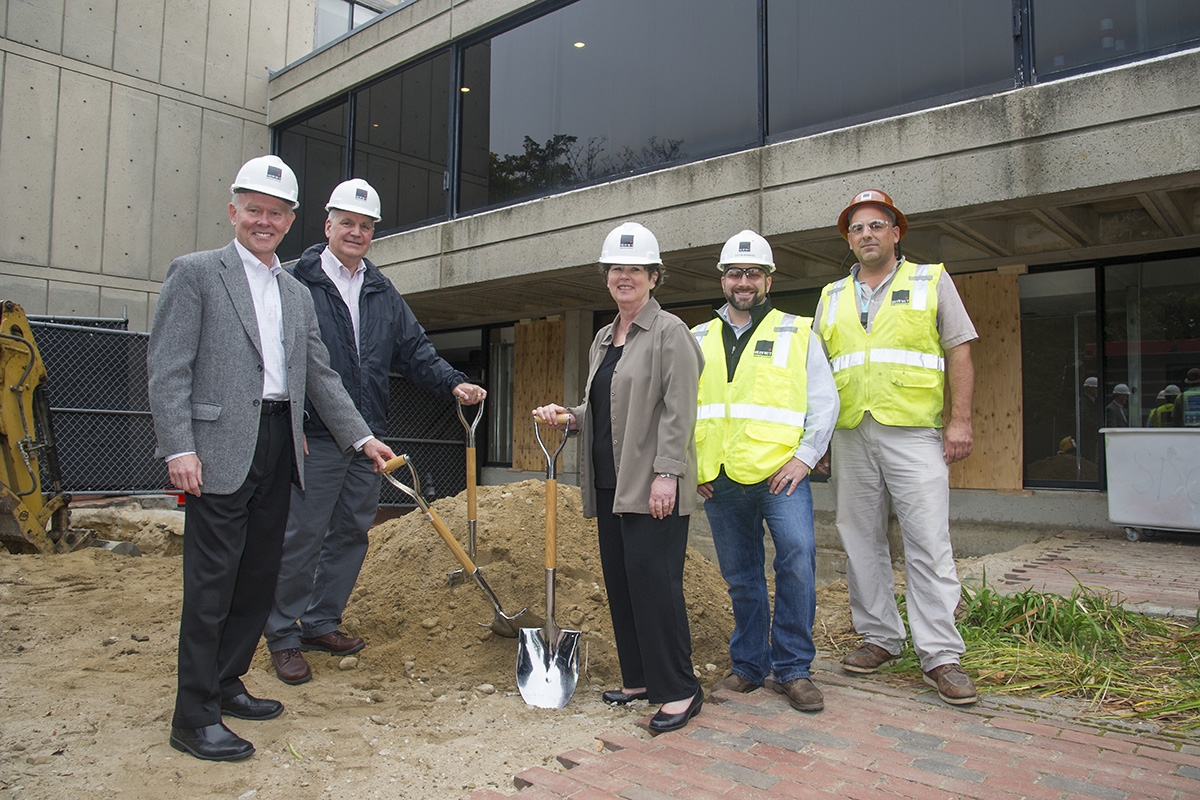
(122, 125)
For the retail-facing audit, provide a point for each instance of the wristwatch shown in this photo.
(667, 475)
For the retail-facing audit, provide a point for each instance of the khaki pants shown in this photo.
(870, 464)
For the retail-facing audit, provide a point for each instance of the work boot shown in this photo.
(866, 659)
(732, 682)
(335, 642)
(953, 684)
(290, 666)
(801, 693)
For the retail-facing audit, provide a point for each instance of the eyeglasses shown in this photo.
(876, 226)
(736, 273)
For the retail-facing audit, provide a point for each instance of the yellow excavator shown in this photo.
(33, 516)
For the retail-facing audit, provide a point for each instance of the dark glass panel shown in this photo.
(315, 147)
(653, 83)
(841, 63)
(1070, 34)
(1059, 367)
(400, 141)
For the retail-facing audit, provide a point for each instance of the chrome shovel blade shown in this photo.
(546, 673)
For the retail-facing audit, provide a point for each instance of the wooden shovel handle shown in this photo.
(394, 464)
(551, 523)
(471, 483)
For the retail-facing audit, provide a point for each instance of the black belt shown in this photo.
(271, 408)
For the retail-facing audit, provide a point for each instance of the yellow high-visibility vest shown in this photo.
(897, 371)
(753, 424)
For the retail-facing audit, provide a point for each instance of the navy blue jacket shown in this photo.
(390, 340)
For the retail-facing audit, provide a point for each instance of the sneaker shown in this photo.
(953, 684)
(732, 682)
(866, 659)
(801, 693)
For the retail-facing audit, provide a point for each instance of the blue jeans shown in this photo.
(761, 644)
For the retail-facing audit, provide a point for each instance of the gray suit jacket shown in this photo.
(206, 368)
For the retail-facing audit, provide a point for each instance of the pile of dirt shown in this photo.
(417, 627)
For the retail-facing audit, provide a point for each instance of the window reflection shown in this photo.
(401, 140)
(1070, 34)
(315, 148)
(831, 62)
(655, 83)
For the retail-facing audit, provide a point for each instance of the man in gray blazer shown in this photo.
(234, 350)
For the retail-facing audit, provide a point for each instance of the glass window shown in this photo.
(315, 147)
(333, 20)
(844, 62)
(1152, 338)
(605, 87)
(1060, 372)
(400, 141)
(1069, 34)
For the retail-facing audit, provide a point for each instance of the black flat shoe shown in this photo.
(247, 706)
(619, 698)
(211, 743)
(662, 723)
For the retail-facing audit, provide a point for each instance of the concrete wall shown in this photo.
(122, 125)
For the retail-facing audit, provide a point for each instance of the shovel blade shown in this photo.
(547, 671)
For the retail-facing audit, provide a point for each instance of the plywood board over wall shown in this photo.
(994, 303)
(537, 380)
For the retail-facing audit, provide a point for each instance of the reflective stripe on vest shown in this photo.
(752, 425)
(897, 371)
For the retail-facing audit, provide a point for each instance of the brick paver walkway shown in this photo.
(1158, 576)
(880, 739)
(873, 740)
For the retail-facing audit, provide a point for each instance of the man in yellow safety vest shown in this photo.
(766, 409)
(895, 332)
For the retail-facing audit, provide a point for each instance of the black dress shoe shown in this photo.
(662, 722)
(246, 706)
(619, 698)
(211, 743)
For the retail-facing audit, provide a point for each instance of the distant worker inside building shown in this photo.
(370, 332)
(1161, 415)
(1116, 413)
(896, 333)
(1186, 413)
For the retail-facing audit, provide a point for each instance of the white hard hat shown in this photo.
(268, 175)
(355, 195)
(1171, 391)
(1091, 383)
(747, 247)
(1121, 388)
(1162, 395)
(630, 243)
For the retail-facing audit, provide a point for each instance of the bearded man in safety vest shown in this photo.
(767, 404)
(895, 332)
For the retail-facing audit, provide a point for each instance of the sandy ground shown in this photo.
(429, 709)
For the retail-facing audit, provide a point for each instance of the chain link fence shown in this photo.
(104, 435)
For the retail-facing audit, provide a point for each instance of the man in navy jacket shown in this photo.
(369, 331)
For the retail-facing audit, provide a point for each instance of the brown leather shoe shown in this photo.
(334, 642)
(290, 666)
(953, 684)
(866, 659)
(732, 682)
(801, 693)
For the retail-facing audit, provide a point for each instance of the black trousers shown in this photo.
(642, 560)
(232, 544)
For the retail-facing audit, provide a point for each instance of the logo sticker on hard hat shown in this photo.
(626, 240)
(360, 194)
(275, 174)
(743, 247)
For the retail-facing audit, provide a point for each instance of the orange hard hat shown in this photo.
(872, 197)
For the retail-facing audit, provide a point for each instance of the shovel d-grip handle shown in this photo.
(470, 427)
(552, 489)
(395, 463)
